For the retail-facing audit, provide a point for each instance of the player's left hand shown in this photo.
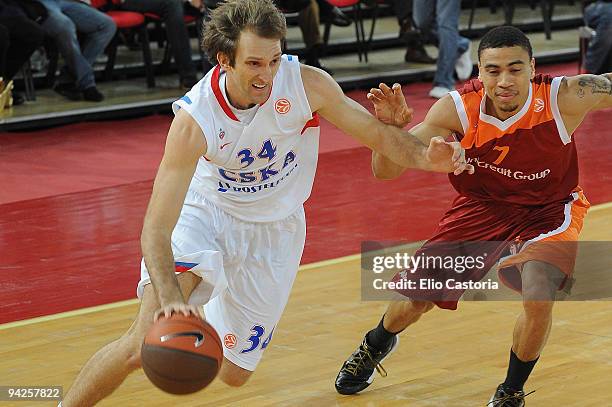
(178, 308)
(447, 156)
(390, 105)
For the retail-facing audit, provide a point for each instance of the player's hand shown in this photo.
(390, 105)
(178, 308)
(447, 156)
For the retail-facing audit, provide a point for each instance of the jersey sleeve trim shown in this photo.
(299, 84)
(460, 110)
(554, 107)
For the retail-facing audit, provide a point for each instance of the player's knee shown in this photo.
(233, 375)
(540, 281)
(133, 361)
(421, 307)
(406, 312)
(538, 309)
(234, 379)
(538, 288)
(130, 344)
(131, 341)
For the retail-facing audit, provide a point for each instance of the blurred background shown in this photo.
(127, 64)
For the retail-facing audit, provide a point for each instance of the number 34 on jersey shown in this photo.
(246, 158)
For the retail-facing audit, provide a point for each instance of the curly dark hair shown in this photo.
(222, 31)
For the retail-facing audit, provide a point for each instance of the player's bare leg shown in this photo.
(109, 367)
(358, 370)
(401, 314)
(232, 374)
(540, 282)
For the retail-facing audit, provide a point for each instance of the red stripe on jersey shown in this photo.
(219, 95)
(314, 122)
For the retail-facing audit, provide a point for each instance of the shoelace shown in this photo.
(508, 397)
(357, 362)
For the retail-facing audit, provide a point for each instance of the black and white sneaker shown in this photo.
(506, 397)
(358, 371)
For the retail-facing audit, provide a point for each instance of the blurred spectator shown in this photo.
(415, 50)
(65, 18)
(333, 13)
(454, 50)
(20, 36)
(598, 16)
(172, 13)
(309, 22)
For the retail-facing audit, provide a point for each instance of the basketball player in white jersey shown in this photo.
(225, 224)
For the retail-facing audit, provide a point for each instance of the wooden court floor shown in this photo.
(449, 359)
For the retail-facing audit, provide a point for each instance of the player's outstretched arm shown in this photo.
(184, 146)
(581, 94)
(441, 121)
(390, 107)
(326, 97)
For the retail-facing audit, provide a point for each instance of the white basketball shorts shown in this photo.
(247, 270)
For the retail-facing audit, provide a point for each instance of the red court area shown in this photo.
(72, 201)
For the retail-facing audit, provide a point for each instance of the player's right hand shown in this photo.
(390, 105)
(447, 156)
(178, 308)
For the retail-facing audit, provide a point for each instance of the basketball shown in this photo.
(181, 355)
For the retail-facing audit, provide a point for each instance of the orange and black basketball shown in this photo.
(181, 355)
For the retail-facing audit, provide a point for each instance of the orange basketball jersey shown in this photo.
(527, 159)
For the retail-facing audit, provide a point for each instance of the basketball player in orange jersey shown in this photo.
(226, 211)
(517, 129)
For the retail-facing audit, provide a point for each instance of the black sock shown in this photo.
(379, 338)
(518, 372)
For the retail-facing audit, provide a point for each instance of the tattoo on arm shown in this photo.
(597, 84)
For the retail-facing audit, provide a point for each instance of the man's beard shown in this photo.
(508, 109)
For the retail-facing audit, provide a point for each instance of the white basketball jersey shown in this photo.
(261, 171)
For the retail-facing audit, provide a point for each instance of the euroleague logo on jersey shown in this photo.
(230, 341)
(282, 106)
(538, 105)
